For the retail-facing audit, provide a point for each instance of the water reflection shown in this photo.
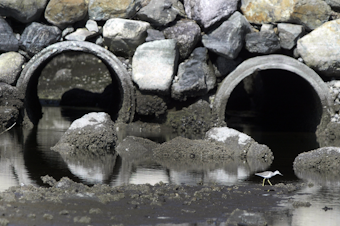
(25, 156)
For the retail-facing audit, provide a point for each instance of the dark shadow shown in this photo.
(275, 100)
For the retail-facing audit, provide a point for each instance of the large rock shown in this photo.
(8, 41)
(161, 12)
(195, 77)
(105, 9)
(289, 34)
(240, 143)
(320, 49)
(63, 12)
(123, 36)
(310, 13)
(228, 39)
(91, 135)
(187, 33)
(24, 11)
(263, 42)
(207, 12)
(37, 36)
(154, 65)
(10, 66)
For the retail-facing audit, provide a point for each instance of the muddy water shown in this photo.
(25, 156)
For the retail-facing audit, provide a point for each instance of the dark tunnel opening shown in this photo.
(274, 100)
(78, 83)
(277, 108)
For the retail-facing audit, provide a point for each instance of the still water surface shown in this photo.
(25, 156)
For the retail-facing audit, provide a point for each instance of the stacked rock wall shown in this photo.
(177, 50)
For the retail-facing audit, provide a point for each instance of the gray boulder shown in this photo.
(92, 26)
(64, 12)
(310, 13)
(242, 144)
(333, 4)
(100, 10)
(92, 135)
(224, 66)
(153, 35)
(207, 13)
(195, 76)
(320, 49)
(123, 36)
(154, 65)
(187, 33)
(264, 42)
(81, 34)
(11, 64)
(289, 34)
(228, 39)
(161, 12)
(23, 11)
(147, 104)
(8, 41)
(37, 36)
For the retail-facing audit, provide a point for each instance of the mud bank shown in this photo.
(66, 202)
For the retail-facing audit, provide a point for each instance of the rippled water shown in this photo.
(25, 156)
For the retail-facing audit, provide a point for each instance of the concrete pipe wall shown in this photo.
(29, 77)
(281, 62)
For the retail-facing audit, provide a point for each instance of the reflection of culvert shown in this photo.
(276, 62)
(28, 79)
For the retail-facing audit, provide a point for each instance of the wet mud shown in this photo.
(66, 202)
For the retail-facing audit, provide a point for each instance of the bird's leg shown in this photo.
(263, 181)
(270, 183)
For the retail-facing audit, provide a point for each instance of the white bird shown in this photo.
(267, 175)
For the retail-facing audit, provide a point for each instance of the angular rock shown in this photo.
(8, 41)
(37, 36)
(161, 12)
(64, 12)
(264, 42)
(100, 10)
(207, 12)
(310, 13)
(228, 39)
(224, 66)
(92, 135)
(289, 34)
(195, 76)
(154, 35)
(123, 36)
(92, 26)
(10, 66)
(187, 33)
(320, 49)
(154, 64)
(23, 11)
(147, 104)
(81, 34)
(241, 143)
